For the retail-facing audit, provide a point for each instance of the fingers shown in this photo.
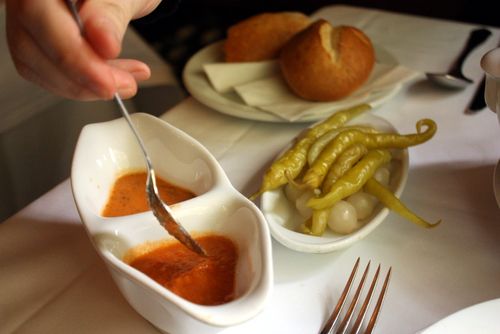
(55, 38)
(47, 48)
(106, 21)
(33, 65)
(137, 69)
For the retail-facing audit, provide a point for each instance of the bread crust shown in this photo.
(262, 36)
(325, 63)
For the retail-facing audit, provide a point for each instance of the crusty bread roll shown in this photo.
(325, 63)
(262, 36)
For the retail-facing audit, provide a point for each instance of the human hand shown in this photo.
(47, 48)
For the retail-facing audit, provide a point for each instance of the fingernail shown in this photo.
(141, 75)
(127, 91)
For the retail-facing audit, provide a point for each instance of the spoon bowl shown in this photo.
(449, 80)
(455, 78)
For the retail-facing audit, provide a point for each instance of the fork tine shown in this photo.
(347, 317)
(366, 303)
(346, 321)
(327, 328)
(378, 306)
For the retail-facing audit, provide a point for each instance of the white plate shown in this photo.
(230, 103)
(481, 318)
(283, 218)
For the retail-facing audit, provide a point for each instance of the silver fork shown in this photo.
(160, 209)
(331, 323)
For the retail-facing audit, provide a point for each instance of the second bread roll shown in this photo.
(262, 36)
(325, 63)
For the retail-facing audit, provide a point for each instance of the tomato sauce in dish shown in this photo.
(128, 195)
(202, 280)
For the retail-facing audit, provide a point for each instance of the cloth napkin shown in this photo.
(260, 85)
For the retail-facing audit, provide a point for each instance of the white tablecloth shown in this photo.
(52, 281)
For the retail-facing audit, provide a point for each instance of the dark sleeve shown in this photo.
(164, 9)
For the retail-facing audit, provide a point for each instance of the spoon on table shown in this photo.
(455, 78)
(161, 210)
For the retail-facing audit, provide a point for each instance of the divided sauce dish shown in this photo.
(107, 150)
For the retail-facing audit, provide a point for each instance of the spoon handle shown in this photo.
(476, 37)
(159, 208)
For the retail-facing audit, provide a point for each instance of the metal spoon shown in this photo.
(455, 78)
(161, 210)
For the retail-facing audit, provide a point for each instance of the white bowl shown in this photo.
(105, 150)
(283, 218)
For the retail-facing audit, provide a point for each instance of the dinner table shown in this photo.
(53, 281)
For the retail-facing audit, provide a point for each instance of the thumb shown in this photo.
(106, 21)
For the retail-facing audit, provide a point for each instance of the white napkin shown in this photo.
(260, 85)
(225, 76)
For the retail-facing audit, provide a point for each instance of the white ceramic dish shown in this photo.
(283, 218)
(105, 150)
(480, 318)
(230, 103)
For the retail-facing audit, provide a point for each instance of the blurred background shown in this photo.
(197, 23)
(38, 131)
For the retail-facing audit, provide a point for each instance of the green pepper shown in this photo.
(322, 141)
(344, 162)
(315, 175)
(319, 221)
(352, 181)
(386, 197)
(290, 164)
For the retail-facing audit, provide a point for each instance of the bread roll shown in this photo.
(325, 63)
(261, 37)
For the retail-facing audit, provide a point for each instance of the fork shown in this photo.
(160, 209)
(329, 326)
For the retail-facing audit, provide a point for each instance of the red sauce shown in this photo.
(203, 280)
(128, 195)
(206, 280)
